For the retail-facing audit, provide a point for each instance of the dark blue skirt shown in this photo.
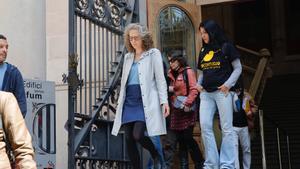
(133, 105)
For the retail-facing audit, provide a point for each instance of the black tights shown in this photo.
(134, 133)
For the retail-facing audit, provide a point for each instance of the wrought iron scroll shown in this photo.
(108, 13)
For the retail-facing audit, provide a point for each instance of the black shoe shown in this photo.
(184, 160)
(184, 163)
(199, 165)
(156, 163)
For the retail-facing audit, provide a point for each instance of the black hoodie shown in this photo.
(215, 57)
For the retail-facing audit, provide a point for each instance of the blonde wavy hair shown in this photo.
(147, 41)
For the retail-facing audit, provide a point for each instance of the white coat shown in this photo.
(153, 89)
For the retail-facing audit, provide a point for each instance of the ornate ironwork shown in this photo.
(174, 18)
(110, 12)
(72, 79)
(89, 163)
(96, 25)
(115, 16)
(82, 5)
(99, 9)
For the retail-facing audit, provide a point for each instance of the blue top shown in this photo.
(133, 77)
(133, 105)
(3, 68)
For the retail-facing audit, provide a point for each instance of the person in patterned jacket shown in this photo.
(183, 117)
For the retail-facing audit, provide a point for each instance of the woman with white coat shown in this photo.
(143, 101)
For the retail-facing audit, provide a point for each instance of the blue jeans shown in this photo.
(241, 134)
(157, 143)
(209, 104)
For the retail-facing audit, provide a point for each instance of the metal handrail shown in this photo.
(278, 147)
(79, 138)
(262, 135)
(275, 124)
(289, 153)
(82, 134)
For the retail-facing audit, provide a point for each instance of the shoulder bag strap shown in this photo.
(186, 79)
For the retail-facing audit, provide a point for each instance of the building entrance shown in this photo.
(174, 27)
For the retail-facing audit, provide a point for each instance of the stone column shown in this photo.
(23, 23)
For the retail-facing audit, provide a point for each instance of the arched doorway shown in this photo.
(174, 26)
(177, 33)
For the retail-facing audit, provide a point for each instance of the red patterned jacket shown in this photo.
(181, 120)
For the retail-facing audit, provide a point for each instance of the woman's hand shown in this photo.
(171, 88)
(224, 89)
(166, 109)
(186, 109)
(199, 88)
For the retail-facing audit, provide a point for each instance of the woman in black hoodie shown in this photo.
(220, 68)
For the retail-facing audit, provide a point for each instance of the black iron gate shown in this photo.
(95, 61)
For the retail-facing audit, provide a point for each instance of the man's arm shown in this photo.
(19, 92)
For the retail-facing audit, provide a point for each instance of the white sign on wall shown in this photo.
(40, 120)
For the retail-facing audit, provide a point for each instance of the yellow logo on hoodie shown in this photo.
(209, 56)
(206, 63)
